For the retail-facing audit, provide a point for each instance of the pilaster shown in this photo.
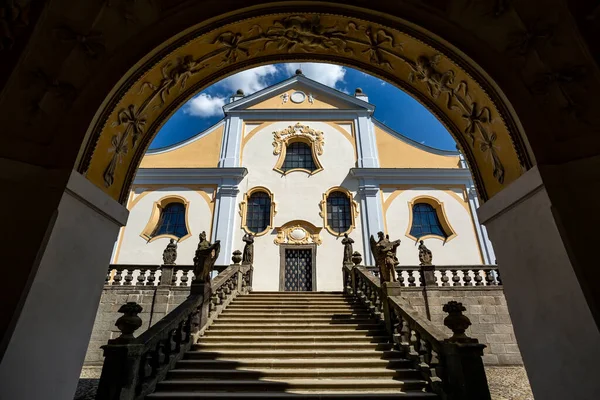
(368, 156)
(232, 142)
(224, 218)
(371, 215)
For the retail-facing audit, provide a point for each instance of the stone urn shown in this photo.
(237, 257)
(129, 322)
(356, 258)
(457, 322)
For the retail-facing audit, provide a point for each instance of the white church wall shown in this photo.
(135, 249)
(298, 196)
(462, 249)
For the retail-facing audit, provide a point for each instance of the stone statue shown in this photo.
(425, 256)
(204, 261)
(394, 250)
(384, 252)
(248, 257)
(170, 253)
(347, 242)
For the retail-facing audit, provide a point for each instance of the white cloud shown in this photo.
(327, 74)
(204, 105)
(251, 80)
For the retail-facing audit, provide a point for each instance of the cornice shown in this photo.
(147, 176)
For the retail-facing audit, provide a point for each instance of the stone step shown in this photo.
(286, 345)
(295, 294)
(321, 354)
(282, 326)
(216, 331)
(293, 301)
(295, 339)
(307, 314)
(310, 320)
(296, 395)
(286, 384)
(297, 364)
(295, 307)
(317, 373)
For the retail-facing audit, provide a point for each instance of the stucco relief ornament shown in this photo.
(284, 98)
(296, 234)
(280, 138)
(170, 253)
(204, 260)
(311, 98)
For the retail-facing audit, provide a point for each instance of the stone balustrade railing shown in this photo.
(453, 366)
(133, 366)
(445, 275)
(152, 275)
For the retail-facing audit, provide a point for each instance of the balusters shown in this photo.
(118, 277)
(151, 277)
(128, 277)
(411, 279)
(401, 278)
(107, 279)
(174, 278)
(490, 278)
(141, 277)
(466, 277)
(184, 278)
(455, 277)
(445, 279)
(478, 278)
(498, 280)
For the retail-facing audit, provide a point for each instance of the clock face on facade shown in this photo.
(298, 97)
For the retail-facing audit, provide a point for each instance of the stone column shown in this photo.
(557, 335)
(223, 220)
(371, 215)
(48, 346)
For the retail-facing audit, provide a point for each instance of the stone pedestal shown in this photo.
(557, 335)
(465, 371)
(392, 288)
(47, 349)
(204, 289)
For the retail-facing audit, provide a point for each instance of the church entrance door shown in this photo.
(297, 269)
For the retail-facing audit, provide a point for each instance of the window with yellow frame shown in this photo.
(257, 211)
(169, 219)
(339, 211)
(428, 220)
(298, 148)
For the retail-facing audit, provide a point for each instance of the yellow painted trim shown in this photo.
(353, 210)
(243, 210)
(445, 188)
(155, 216)
(438, 206)
(385, 226)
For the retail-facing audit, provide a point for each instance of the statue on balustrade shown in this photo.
(347, 242)
(205, 258)
(170, 253)
(425, 256)
(384, 251)
(248, 256)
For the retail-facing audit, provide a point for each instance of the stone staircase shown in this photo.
(305, 345)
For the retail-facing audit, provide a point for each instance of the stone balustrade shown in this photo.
(445, 275)
(152, 275)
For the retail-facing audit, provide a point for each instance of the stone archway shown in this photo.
(466, 101)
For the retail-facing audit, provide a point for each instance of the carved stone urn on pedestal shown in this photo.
(128, 323)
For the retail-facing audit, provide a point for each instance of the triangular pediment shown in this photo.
(299, 93)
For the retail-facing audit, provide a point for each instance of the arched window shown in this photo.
(425, 221)
(339, 212)
(258, 212)
(171, 221)
(298, 156)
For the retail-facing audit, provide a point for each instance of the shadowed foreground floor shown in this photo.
(506, 383)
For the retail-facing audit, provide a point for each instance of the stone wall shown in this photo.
(156, 303)
(487, 310)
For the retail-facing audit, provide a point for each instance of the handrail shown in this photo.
(133, 366)
(127, 275)
(442, 361)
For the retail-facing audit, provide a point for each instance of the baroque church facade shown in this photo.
(298, 165)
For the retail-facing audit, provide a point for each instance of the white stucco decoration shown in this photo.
(298, 234)
(298, 97)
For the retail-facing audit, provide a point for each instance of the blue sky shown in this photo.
(394, 107)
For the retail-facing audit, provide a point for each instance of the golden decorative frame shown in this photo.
(438, 206)
(353, 210)
(298, 133)
(243, 209)
(311, 233)
(155, 217)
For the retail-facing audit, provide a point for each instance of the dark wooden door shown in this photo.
(298, 270)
